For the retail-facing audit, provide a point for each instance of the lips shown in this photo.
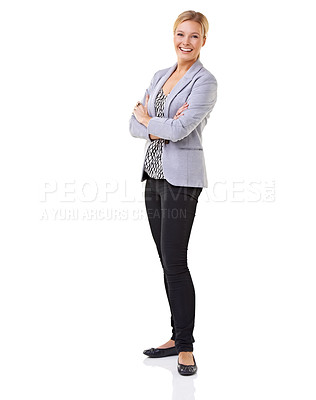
(185, 50)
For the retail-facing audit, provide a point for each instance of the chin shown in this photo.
(186, 56)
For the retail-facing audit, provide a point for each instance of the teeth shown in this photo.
(181, 48)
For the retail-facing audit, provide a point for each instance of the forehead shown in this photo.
(190, 26)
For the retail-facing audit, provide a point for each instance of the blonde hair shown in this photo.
(192, 16)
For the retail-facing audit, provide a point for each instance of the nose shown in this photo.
(186, 40)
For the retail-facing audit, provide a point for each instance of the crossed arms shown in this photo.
(200, 103)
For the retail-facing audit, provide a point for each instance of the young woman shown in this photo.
(171, 118)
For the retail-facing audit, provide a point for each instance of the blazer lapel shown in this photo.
(160, 83)
(187, 77)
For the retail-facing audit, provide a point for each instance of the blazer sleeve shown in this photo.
(137, 129)
(201, 102)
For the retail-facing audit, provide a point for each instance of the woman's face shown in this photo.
(188, 35)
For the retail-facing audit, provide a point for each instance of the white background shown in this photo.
(82, 298)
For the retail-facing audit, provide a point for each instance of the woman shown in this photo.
(171, 117)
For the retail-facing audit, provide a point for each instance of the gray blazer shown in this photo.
(183, 156)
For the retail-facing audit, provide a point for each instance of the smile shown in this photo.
(185, 50)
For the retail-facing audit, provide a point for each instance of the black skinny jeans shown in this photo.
(171, 211)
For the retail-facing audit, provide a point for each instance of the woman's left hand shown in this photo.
(140, 110)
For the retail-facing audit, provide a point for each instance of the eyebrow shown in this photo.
(191, 32)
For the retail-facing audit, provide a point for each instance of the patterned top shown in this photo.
(153, 162)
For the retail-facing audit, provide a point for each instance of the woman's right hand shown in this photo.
(182, 108)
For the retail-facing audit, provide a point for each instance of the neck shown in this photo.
(184, 66)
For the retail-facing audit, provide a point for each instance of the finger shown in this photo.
(184, 105)
(182, 108)
(147, 98)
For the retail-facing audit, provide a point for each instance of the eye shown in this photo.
(195, 36)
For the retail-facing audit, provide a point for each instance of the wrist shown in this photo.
(146, 120)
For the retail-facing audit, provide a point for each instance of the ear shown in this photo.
(204, 40)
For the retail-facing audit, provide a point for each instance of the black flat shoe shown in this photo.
(156, 353)
(187, 369)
